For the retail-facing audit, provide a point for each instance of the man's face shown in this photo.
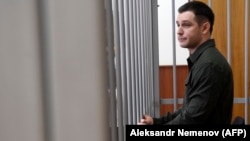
(189, 32)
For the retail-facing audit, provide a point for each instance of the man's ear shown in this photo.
(205, 28)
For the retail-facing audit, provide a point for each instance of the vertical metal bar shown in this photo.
(135, 59)
(246, 61)
(111, 68)
(148, 62)
(137, 56)
(127, 81)
(151, 109)
(120, 96)
(132, 46)
(154, 46)
(118, 67)
(139, 48)
(174, 56)
(45, 46)
(210, 3)
(149, 65)
(144, 58)
(128, 31)
(142, 48)
(229, 31)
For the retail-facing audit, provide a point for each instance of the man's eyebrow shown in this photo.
(184, 21)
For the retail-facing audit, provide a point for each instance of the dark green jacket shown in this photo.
(209, 90)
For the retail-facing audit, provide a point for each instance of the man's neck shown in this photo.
(192, 50)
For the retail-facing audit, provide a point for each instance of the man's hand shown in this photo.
(146, 120)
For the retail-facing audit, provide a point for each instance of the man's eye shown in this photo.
(186, 25)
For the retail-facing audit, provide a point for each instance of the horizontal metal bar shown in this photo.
(180, 101)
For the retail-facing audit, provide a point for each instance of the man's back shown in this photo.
(211, 80)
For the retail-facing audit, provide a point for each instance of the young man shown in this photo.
(209, 85)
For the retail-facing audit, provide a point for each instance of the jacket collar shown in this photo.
(194, 57)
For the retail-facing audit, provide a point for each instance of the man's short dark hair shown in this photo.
(201, 10)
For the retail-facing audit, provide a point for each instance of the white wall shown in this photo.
(165, 25)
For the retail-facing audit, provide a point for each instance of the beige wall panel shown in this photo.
(79, 70)
(21, 116)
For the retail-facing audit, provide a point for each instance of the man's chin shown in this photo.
(183, 46)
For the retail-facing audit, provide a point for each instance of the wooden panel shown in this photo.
(220, 25)
(238, 51)
(206, 1)
(166, 81)
(237, 110)
(249, 59)
(166, 84)
(166, 108)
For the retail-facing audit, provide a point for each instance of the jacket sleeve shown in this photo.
(201, 100)
(166, 118)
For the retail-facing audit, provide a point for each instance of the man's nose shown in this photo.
(179, 31)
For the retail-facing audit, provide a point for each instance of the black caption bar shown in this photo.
(164, 132)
